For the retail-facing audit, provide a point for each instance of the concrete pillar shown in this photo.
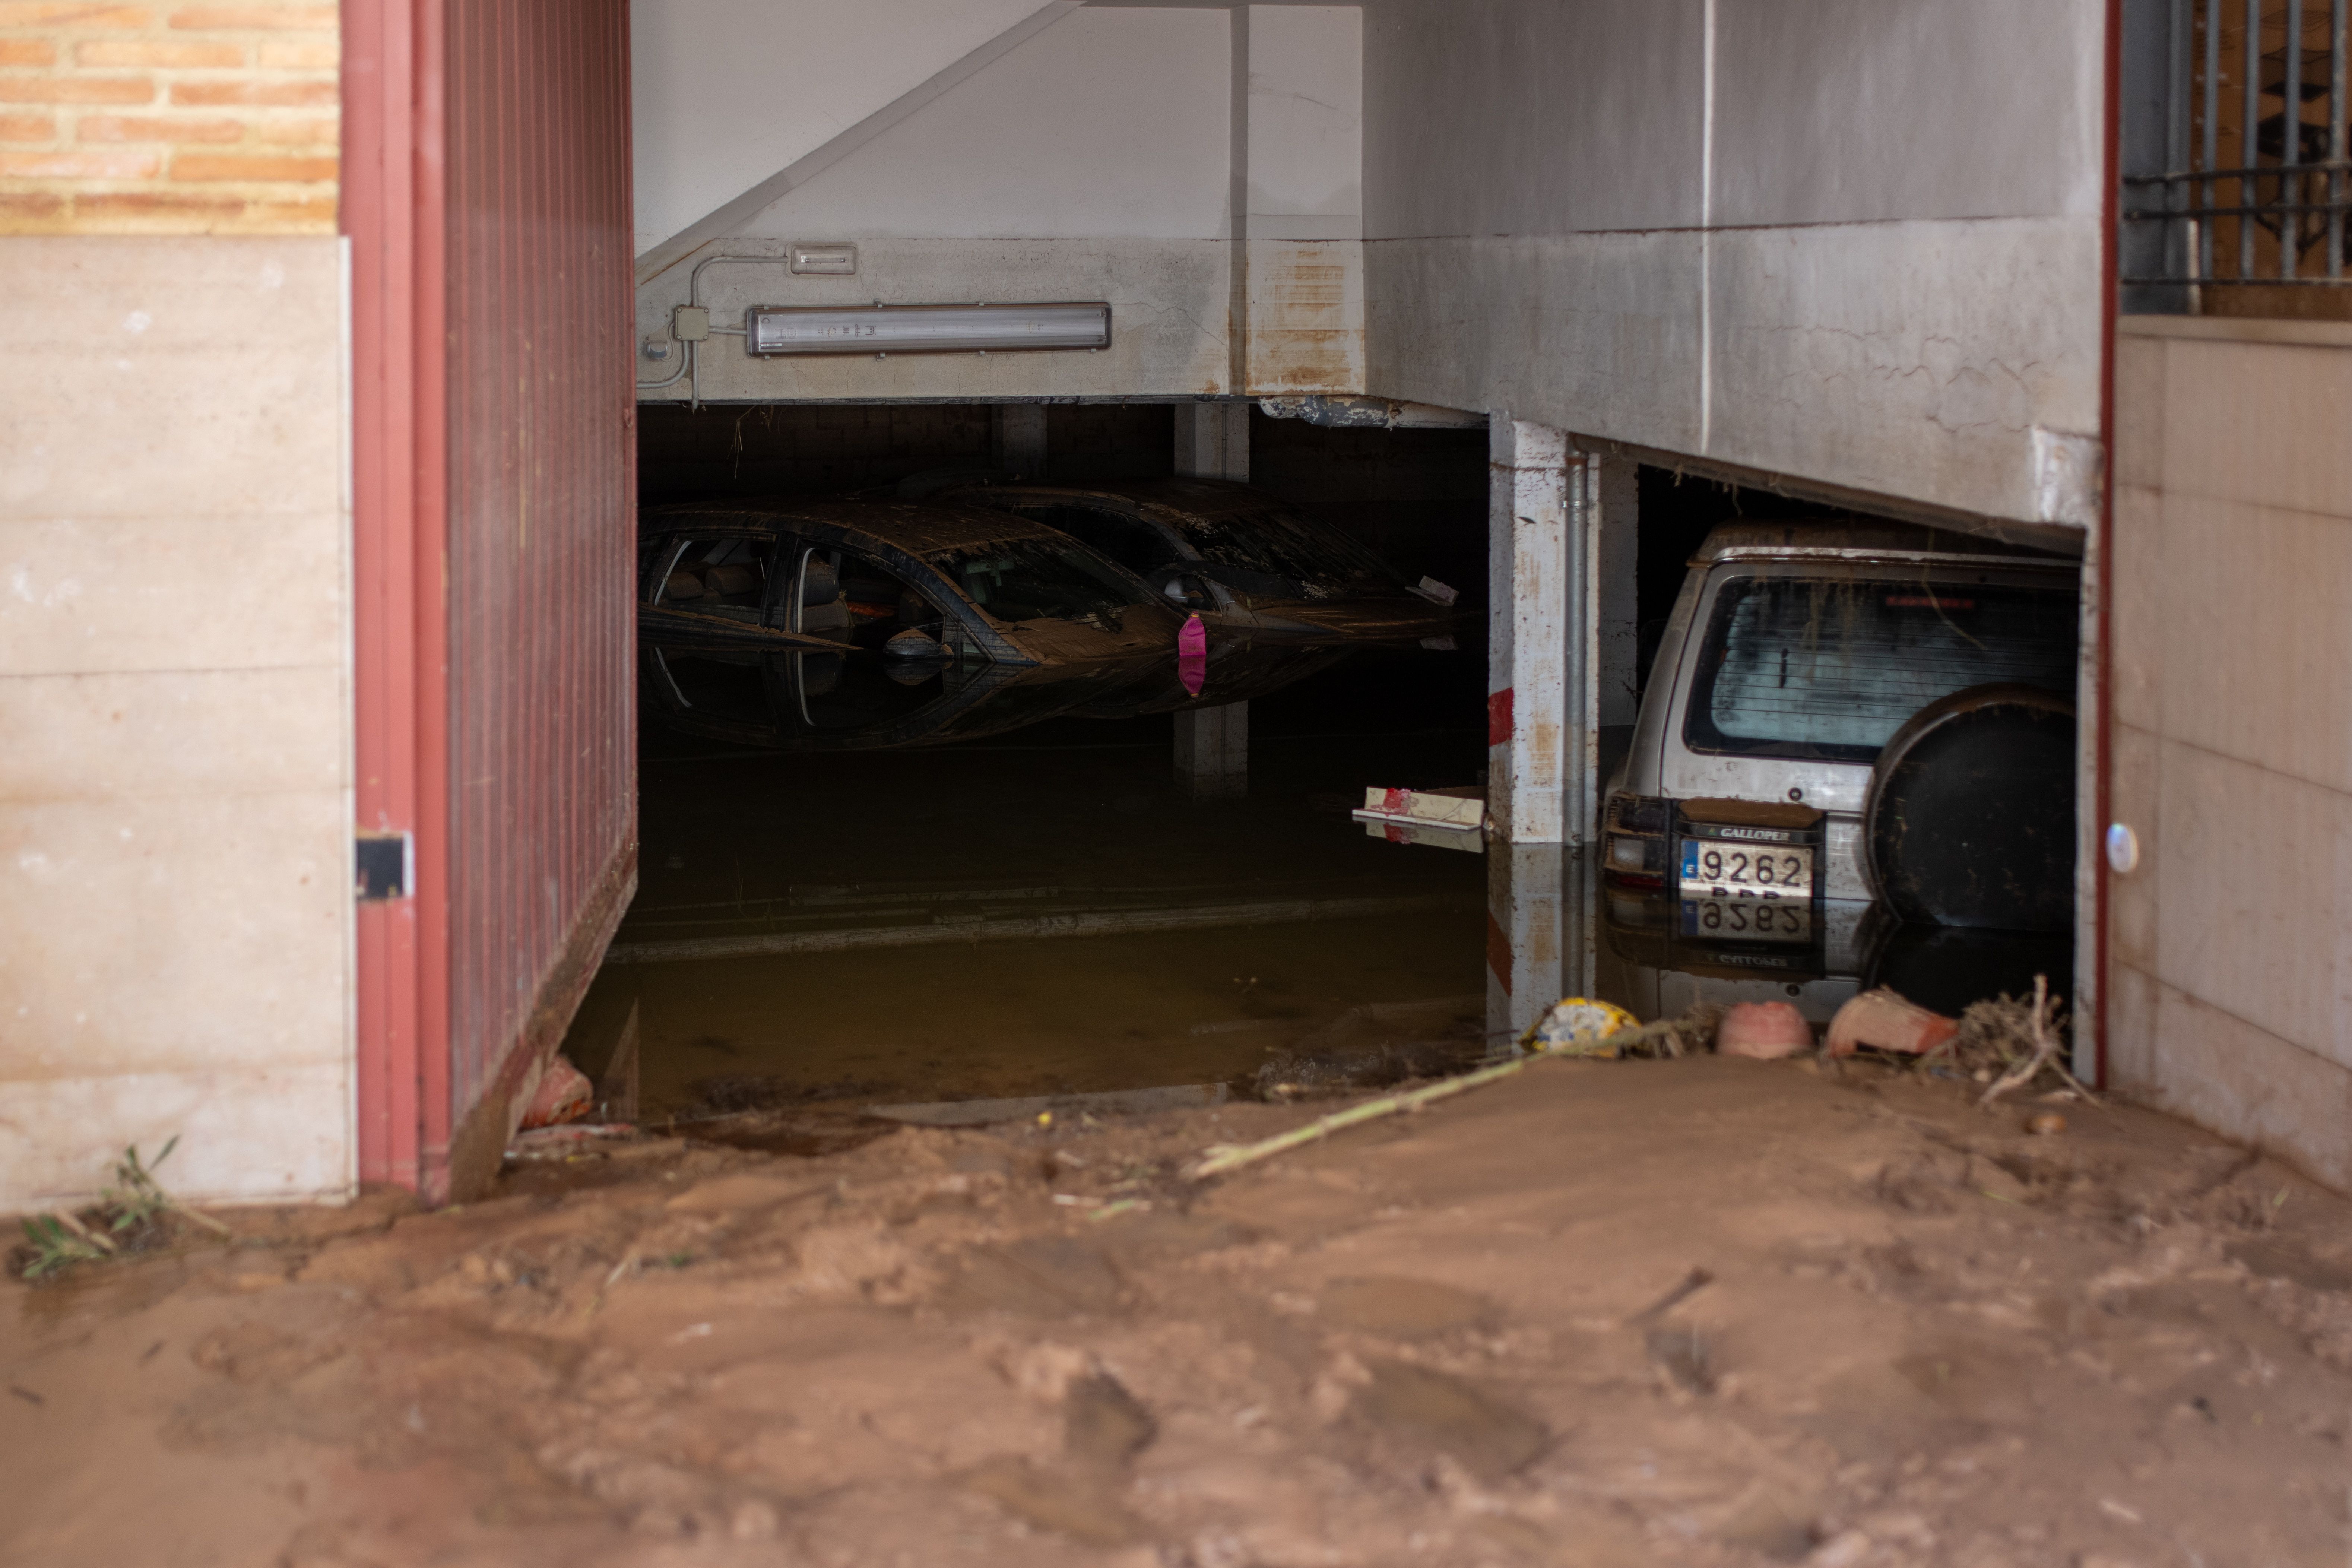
(1527, 631)
(1212, 752)
(1546, 570)
(1018, 438)
(1212, 743)
(1559, 570)
(1618, 633)
(1542, 933)
(1212, 440)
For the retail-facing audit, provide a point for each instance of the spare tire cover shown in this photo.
(1970, 819)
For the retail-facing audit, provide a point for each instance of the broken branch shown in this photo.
(2045, 1048)
(1233, 1157)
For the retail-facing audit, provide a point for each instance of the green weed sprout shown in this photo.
(136, 1203)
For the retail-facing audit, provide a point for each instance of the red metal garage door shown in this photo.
(487, 197)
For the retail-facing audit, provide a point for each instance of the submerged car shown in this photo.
(1795, 655)
(975, 585)
(794, 702)
(858, 700)
(830, 625)
(1239, 558)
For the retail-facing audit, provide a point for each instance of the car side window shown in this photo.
(849, 597)
(1188, 590)
(722, 577)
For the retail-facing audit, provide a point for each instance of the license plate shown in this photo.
(1748, 920)
(1715, 869)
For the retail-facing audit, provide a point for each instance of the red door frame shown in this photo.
(393, 216)
(2102, 583)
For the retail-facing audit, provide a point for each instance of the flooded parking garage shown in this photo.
(826, 926)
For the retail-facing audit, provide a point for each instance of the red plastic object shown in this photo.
(1193, 670)
(564, 1094)
(1763, 1031)
(1192, 639)
(1887, 1022)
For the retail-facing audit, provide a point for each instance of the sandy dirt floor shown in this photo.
(1925, 1337)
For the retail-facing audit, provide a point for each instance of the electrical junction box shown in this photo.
(690, 323)
(826, 260)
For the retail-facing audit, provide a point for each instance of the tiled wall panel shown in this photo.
(2230, 966)
(175, 693)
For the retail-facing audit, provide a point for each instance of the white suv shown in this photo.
(1795, 651)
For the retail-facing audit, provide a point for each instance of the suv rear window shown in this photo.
(1829, 669)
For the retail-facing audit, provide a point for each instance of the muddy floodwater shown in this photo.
(869, 913)
(1050, 913)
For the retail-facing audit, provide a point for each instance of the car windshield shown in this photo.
(1129, 541)
(1830, 669)
(1277, 545)
(1041, 579)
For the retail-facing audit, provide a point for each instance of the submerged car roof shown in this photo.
(1837, 541)
(919, 528)
(1195, 497)
(1200, 510)
(1199, 498)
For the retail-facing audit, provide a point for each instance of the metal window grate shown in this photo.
(2237, 170)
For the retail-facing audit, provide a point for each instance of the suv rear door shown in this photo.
(1795, 673)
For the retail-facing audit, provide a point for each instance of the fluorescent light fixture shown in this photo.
(924, 329)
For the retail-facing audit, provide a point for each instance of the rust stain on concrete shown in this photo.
(1307, 331)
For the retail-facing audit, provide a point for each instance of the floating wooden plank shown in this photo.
(1463, 806)
(1471, 839)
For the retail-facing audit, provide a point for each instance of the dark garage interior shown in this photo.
(1065, 819)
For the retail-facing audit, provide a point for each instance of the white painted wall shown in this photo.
(1853, 240)
(1304, 160)
(726, 92)
(1305, 123)
(1108, 124)
(1091, 163)
(1096, 159)
(175, 787)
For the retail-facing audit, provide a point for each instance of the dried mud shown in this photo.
(1920, 1336)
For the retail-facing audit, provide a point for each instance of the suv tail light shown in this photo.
(1634, 840)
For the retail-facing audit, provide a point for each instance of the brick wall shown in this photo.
(168, 119)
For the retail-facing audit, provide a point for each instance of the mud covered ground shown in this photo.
(1925, 1337)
